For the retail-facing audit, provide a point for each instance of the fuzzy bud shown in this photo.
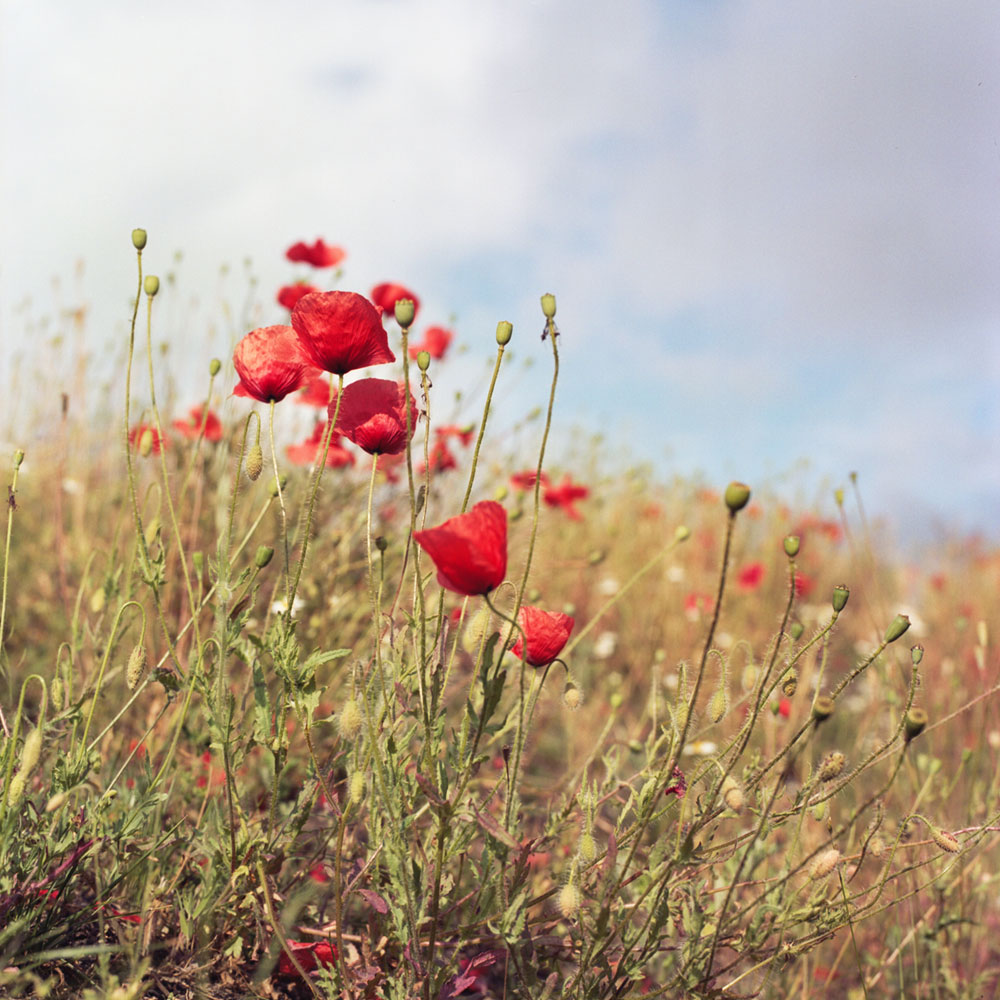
(56, 802)
(831, 766)
(588, 847)
(569, 900)
(791, 544)
(897, 627)
(915, 723)
(255, 462)
(945, 841)
(732, 794)
(350, 719)
(480, 626)
(718, 705)
(824, 863)
(278, 484)
(404, 311)
(548, 305)
(139, 239)
(822, 708)
(57, 693)
(737, 496)
(795, 631)
(876, 847)
(264, 555)
(840, 595)
(31, 750)
(424, 360)
(357, 787)
(572, 696)
(136, 666)
(15, 790)
(214, 366)
(151, 284)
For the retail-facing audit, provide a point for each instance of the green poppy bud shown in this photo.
(264, 555)
(898, 626)
(255, 462)
(840, 595)
(795, 631)
(214, 366)
(18, 458)
(424, 360)
(914, 724)
(917, 654)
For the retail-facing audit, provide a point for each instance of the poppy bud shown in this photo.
(682, 533)
(56, 802)
(31, 750)
(501, 494)
(146, 443)
(16, 788)
(838, 496)
(264, 555)
(139, 238)
(350, 719)
(505, 331)
(381, 543)
(405, 310)
(831, 766)
(572, 696)
(840, 595)
(945, 841)
(917, 654)
(897, 627)
(549, 306)
(914, 724)
(18, 458)
(57, 693)
(278, 485)
(822, 708)
(732, 793)
(737, 496)
(588, 847)
(791, 544)
(569, 900)
(357, 786)
(423, 360)
(717, 705)
(255, 461)
(795, 631)
(824, 864)
(151, 284)
(198, 559)
(214, 366)
(136, 666)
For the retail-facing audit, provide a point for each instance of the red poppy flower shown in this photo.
(341, 331)
(464, 434)
(546, 633)
(526, 480)
(435, 343)
(439, 458)
(289, 295)
(565, 495)
(320, 254)
(785, 708)
(803, 585)
(307, 452)
(192, 427)
(309, 954)
(696, 605)
(270, 363)
(750, 577)
(373, 415)
(470, 550)
(316, 392)
(386, 295)
(156, 439)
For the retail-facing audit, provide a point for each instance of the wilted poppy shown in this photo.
(156, 441)
(564, 495)
(750, 577)
(192, 427)
(319, 254)
(289, 295)
(386, 295)
(435, 343)
(470, 550)
(373, 415)
(270, 363)
(307, 452)
(546, 633)
(341, 331)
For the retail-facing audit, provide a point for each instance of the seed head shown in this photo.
(737, 496)
(548, 305)
(505, 331)
(424, 360)
(790, 682)
(792, 546)
(572, 696)
(916, 654)
(151, 284)
(896, 628)
(405, 310)
(822, 708)
(824, 863)
(914, 724)
(840, 595)
(139, 238)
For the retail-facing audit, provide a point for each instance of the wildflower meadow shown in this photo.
(312, 686)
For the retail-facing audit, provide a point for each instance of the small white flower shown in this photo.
(675, 573)
(605, 645)
(701, 748)
(609, 586)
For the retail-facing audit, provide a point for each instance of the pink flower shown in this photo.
(308, 451)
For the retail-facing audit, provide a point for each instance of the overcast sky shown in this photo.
(773, 229)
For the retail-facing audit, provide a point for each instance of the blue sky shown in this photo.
(773, 229)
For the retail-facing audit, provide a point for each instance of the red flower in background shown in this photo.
(308, 451)
(696, 605)
(373, 415)
(315, 393)
(803, 585)
(309, 954)
(289, 295)
(270, 364)
(526, 480)
(320, 254)
(386, 295)
(565, 495)
(464, 434)
(389, 464)
(436, 341)
(157, 441)
(341, 331)
(546, 633)
(750, 577)
(192, 427)
(439, 458)
(470, 550)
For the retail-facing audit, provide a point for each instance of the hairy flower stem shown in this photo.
(482, 427)
(11, 506)
(374, 587)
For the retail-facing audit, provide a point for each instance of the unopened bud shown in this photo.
(717, 705)
(896, 628)
(255, 462)
(18, 458)
(569, 900)
(151, 284)
(916, 654)
(136, 666)
(945, 841)
(146, 443)
(914, 724)
(139, 238)
(357, 786)
(214, 367)
(57, 693)
(732, 793)
(263, 556)
(278, 484)
(840, 595)
(737, 496)
(682, 533)
(824, 863)
(15, 790)
(405, 310)
(588, 847)
(831, 766)
(790, 682)
(791, 544)
(795, 630)
(350, 719)
(424, 360)
(572, 696)
(548, 305)
(31, 750)
(56, 802)
(505, 331)
(822, 708)
(198, 560)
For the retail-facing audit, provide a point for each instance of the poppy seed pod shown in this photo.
(548, 305)
(404, 311)
(914, 724)
(791, 545)
(505, 331)
(264, 555)
(823, 708)
(151, 284)
(737, 496)
(139, 238)
(896, 628)
(840, 595)
(423, 360)
(916, 654)
(214, 366)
